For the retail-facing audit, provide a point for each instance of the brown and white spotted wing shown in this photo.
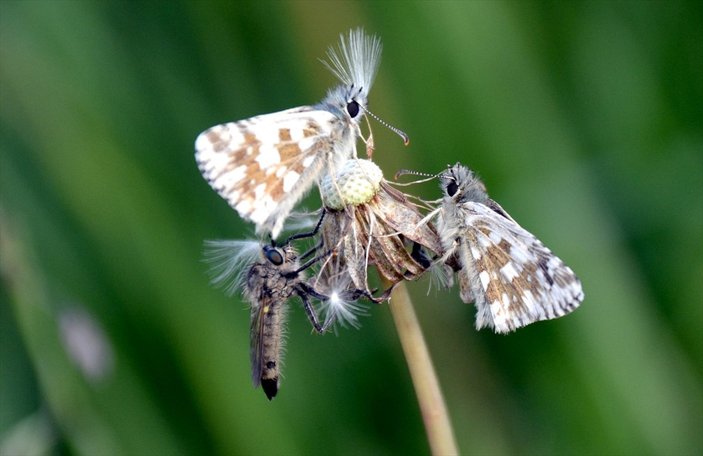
(264, 165)
(511, 276)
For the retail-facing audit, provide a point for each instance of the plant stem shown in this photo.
(429, 395)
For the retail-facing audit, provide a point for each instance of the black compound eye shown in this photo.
(452, 188)
(353, 108)
(274, 256)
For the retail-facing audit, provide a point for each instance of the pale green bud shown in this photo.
(355, 183)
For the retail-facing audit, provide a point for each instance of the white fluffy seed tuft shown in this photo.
(340, 309)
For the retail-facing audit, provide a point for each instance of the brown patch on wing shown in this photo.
(289, 152)
(287, 149)
(213, 136)
(291, 157)
(493, 259)
(311, 129)
(284, 135)
(485, 230)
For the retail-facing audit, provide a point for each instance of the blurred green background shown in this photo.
(585, 120)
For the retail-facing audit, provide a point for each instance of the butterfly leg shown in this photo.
(370, 146)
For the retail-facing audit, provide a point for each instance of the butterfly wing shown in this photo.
(511, 276)
(264, 165)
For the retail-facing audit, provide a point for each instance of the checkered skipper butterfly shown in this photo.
(264, 165)
(511, 277)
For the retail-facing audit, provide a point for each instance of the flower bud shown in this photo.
(355, 183)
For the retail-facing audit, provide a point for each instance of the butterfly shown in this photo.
(512, 278)
(264, 165)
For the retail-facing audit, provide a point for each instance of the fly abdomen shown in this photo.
(270, 347)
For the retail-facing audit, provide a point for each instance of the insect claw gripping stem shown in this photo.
(354, 295)
(309, 290)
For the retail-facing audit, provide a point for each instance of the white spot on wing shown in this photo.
(259, 191)
(485, 279)
(296, 135)
(289, 180)
(243, 207)
(495, 237)
(202, 143)
(520, 254)
(306, 143)
(268, 156)
(508, 271)
(476, 253)
(529, 301)
(228, 180)
(499, 316)
(233, 197)
(265, 133)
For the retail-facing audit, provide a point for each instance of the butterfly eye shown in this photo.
(273, 255)
(452, 188)
(353, 108)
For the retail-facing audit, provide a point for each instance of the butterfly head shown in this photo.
(460, 184)
(354, 62)
(348, 102)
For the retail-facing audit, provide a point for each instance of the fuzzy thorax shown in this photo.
(355, 183)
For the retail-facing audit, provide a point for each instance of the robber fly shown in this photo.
(268, 283)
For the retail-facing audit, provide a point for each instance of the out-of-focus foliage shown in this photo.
(585, 119)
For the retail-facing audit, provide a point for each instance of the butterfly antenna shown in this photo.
(397, 131)
(404, 172)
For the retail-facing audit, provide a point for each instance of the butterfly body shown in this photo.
(512, 278)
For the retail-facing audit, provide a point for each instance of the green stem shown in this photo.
(429, 395)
